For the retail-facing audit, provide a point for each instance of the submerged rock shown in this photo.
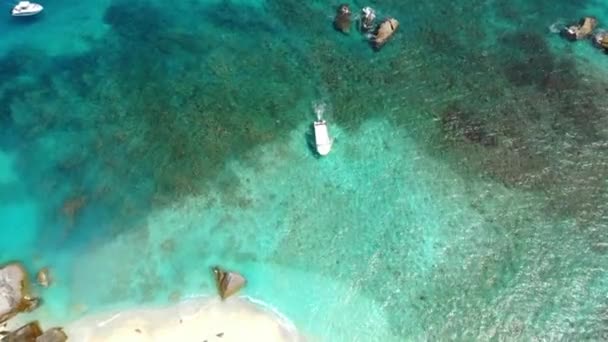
(72, 208)
(13, 292)
(27, 333)
(384, 32)
(583, 29)
(43, 277)
(228, 283)
(342, 21)
(53, 335)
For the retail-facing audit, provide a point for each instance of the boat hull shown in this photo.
(322, 140)
(28, 13)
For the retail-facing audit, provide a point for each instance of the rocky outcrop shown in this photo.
(14, 296)
(53, 335)
(384, 32)
(27, 333)
(583, 29)
(228, 283)
(32, 332)
(43, 277)
(342, 20)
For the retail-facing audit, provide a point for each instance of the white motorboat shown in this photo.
(322, 139)
(26, 8)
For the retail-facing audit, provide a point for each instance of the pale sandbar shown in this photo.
(196, 320)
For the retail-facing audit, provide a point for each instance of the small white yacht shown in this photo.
(322, 139)
(26, 8)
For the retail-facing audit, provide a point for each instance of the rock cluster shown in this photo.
(32, 332)
(378, 35)
(586, 28)
(15, 298)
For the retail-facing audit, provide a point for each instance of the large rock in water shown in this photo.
(53, 335)
(384, 32)
(582, 30)
(601, 40)
(228, 283)
(27, 333)
(342, 20)
(13, 291)
(32, 332)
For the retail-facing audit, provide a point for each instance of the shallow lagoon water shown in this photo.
(465, 197)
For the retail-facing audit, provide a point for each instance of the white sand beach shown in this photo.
(196, 320)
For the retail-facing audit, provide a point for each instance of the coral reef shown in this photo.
(159, 106)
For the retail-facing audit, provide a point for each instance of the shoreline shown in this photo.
(196, 319)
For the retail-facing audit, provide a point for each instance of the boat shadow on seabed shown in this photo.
(310, 142)
(25, 21)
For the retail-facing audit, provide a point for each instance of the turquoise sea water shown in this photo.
(466, 197)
